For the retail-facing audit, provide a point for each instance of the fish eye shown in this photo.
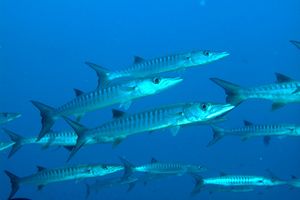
(206, 53)
(156, 80)
(104, 166)
(203, 106)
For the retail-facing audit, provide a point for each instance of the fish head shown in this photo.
(156, 84)
(196, 168)
(104, 169)
(268, 181)
(11, 116)
(195, 58)
(206, 111)
(297, 130)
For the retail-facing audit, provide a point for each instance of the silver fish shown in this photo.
(122, 93)
(251, 130)
(171, 117)
(149, 67)
(45, 176)
(6, 117)
(284, 91)
(235, 181)
(161, 168)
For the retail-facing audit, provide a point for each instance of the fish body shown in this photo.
(284, 91)
(149, 67)
(45, 176)
(172, 117)
(122, 93)
(251, 130)
(6, 117)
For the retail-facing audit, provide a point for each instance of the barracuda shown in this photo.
(45, 176)
(122, 93)
(143, 68)
(236, 182)
(172, 117)
(7, 117)
(156, 167)
(251, 130)
(54, 138)
(285, 91)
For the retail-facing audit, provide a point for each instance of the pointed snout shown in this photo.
(220, 109)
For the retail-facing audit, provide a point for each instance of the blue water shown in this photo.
(43, 47)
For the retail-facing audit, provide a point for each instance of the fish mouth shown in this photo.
(221, 109)
(173, 81)
(222, 55)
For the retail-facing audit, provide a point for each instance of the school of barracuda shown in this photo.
(144, 78)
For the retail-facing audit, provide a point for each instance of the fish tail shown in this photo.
(48, 114)
(81, 139)
(14, 180)
(218, 134)
(17, 139)
(198, 184)
(128, 168)
(231, 90)
(102, 73)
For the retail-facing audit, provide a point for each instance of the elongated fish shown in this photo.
(296, 43)
(45, 176)
(251, 130)
(235, 182)
(162, 168)
(6, 117)
(54, 138)
(122, 93)
(124, 125)
(284, 91)
(143, 68)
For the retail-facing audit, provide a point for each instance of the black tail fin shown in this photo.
(231, 90)
(198, 184)
(102, 74)
(14, 180)
(218, 134)
(17, 139)
(128, 168)
(81, 140)
(47, 114)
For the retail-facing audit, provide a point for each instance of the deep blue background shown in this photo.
(43, 46)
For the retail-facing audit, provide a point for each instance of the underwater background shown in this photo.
(43, 47)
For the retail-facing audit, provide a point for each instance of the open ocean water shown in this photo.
(43, 47)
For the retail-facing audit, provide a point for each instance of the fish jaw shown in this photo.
(205, 56)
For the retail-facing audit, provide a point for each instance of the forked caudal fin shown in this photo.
(17, 139)
(81, 139)
(218, 134)
(231, 90)
(198, 184)
(102, 74)
(14, 180)
(128, 168)
(48, 118)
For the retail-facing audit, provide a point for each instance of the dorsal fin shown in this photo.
(223, 174)
(40, 168)
(154, 160)
(247, 123)
(293, 177)
(117, 113)
(78, 92)
(138, 59)
(281, 78)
